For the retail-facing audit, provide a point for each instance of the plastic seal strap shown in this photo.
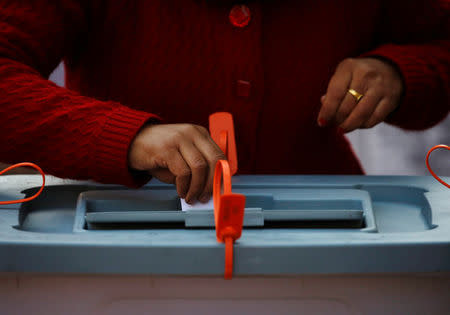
(24, 164)
(439, 146)
(221, 128)
(228, 213)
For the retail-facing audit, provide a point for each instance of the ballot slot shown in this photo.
(297, 208)
(125, 209)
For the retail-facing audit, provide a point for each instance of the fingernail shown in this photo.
(204, 198)
(322, 122)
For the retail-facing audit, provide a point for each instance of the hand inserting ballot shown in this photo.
(180, 154)
(361, 94)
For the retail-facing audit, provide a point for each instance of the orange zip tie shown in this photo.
(228, 213)
(439, 146)
(9, 202)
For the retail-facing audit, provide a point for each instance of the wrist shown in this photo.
(133, 166)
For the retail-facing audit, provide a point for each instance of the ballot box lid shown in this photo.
(292, 225)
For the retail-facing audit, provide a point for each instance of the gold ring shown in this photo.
(357, 95)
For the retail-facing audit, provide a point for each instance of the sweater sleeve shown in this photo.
(67, 134)
(415, 36)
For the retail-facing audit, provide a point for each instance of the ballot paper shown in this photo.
(197, 206)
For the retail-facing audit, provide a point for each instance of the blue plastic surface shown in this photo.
(98, 209)
(406, 228)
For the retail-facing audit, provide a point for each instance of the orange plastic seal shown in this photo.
(228, 213)
(26, 164)
(221, 128)
(439, 146)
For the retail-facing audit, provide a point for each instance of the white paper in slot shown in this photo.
(197, 206)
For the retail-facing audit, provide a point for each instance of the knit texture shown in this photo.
(129, 62)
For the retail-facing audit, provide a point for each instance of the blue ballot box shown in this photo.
(310, 245)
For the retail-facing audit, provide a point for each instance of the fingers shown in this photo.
(180, 169)
(200, 154)
(379, 83)
(383, 109)
(362, 112)
(198, 169)
(350, 102)
(212, 153)
(181, 153)
(337, 88)
(344, 109)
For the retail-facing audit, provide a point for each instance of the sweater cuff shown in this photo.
(416, 76)
(110, 150)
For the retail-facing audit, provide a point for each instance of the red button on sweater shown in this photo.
(127, 61)
(240, 15)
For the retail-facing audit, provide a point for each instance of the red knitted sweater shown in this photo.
(183, 60)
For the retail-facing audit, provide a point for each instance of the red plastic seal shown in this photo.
(439, 146)
(24, 164)
(228, 213)
(221, 128)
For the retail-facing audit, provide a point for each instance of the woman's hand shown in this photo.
(378, 81)
(180, 154)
